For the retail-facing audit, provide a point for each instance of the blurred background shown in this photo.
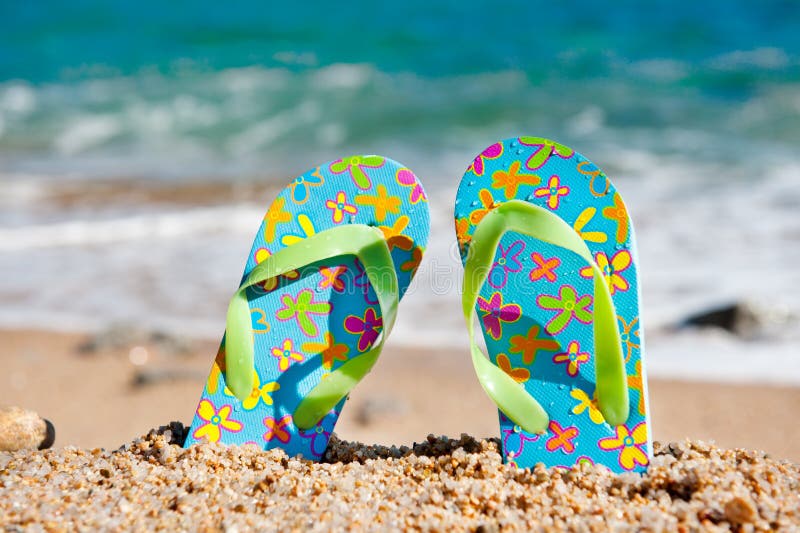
(140, 144)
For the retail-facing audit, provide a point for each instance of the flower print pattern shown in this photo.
(629, 443)
(285, 354)
(488, 204)
(259, 393)
(573, 358)
(269, 285)
(381, 202)
(546, 269)
(367, 327)
(507, 262)
(611, 270)
(544, 150)
(394, 234)
(520, 374)
(530, 344)
(581, 222)
(514, 440)
(302, 184)
(329, 349)
(568, 306)
(406, 178)
(478, 165)
(510, 180)
(212, 384)
(277, 429)
(626, 335)
(586, 404)
(274, 217)
(319, 435)
(618, 213)
(362, 282)
(306, 227)
(562, 438)
(339, 207)
(413, 263)
(302, 309)
(553, 192)
(215, 421)
(462, 232)
(495, 312)
(356, 165)
(636, 383)
(332, 277)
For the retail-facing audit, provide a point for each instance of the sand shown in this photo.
(441, 484)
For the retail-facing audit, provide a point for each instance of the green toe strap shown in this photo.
(511, 397)
(369, 246)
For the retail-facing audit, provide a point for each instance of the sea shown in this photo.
(693, 108)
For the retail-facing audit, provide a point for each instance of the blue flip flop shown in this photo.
(551, 269)
(335, 252)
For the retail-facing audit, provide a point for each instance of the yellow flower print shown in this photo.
(583, 219)
(629, 442)
(269, 285)
(382, 202)
(611, 270)
(305, 225)
(587, 404)
(212, 385)
(259, 393)
(331, 352)
(618, 213)
(274, 217)
(339, 207)
(285, 354)
(216, 421)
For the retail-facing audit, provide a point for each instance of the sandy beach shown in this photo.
(97, 396)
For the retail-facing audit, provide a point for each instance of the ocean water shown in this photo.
(693, 109)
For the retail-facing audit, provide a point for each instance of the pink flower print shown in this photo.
(319, 434)
(507, 262)
(339, 207)
(573, 357)
(277, 429)
(216, 421)
(302, 309)
(285, 353)
(406, 178)
(568, 305)
(544, 150)
(362, 281)
(493, 152)
(514, 440)
(356, 166)
(554, 191)
(630, 443)
(495, 312)
(368, 327)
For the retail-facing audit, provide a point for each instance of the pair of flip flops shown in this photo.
(550, 269)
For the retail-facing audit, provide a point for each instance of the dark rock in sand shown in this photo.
(739, 318)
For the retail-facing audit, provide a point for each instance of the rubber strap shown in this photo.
(511, 397)
(369, 246)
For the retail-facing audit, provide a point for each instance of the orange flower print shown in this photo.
(478, 166)
(274, 217)
(413, 263)
(618, 213)
(488, 204)
(339, 207)
(394, 234)
(573, 357)
(562, 438)
(462, 231)
(331, 352)
(629, 442)
(276, 429)
(510, 179)
(611, 270)
(635, 382)
(285, 354)
(520, 375)
(553, 192)
(332, 277)
(531, 343)
(216, 421)
(382, 202)
(546, 268)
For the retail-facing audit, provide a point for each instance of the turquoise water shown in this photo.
(199, 88)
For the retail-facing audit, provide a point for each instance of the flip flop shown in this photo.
(336, 251)
(550, 267)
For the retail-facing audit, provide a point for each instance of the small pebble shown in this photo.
(21, 429)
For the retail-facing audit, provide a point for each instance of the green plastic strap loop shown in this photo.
(369, 246)
(511, 397)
